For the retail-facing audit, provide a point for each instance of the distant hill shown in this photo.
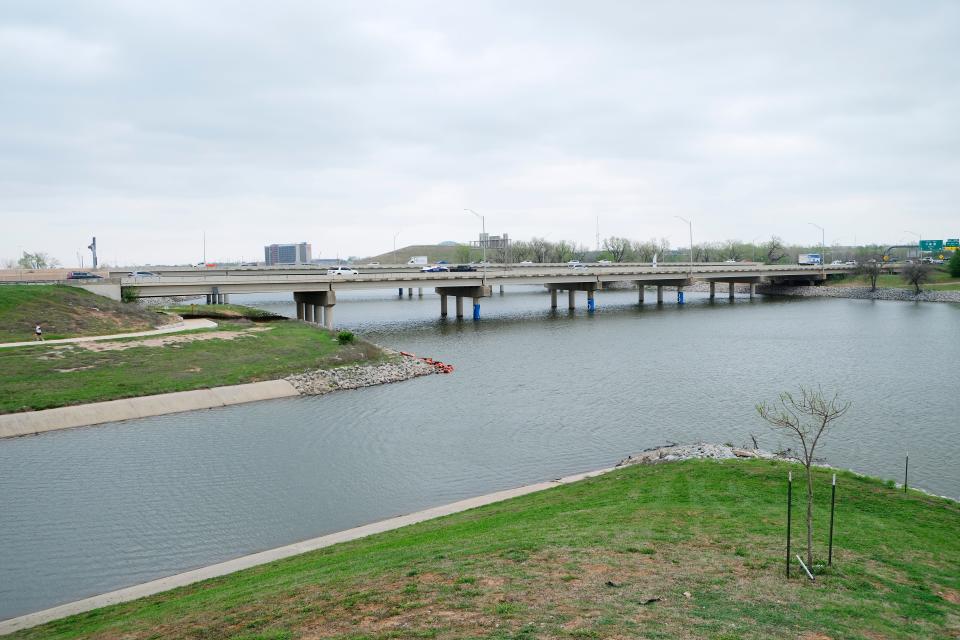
(434, 253)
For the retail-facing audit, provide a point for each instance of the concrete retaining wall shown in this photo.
(31, 422)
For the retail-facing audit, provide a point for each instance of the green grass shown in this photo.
(66, 312)
(940, 280)
(561, 564)
(224, 311)
(46, 376)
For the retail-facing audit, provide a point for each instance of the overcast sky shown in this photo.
(341, 124)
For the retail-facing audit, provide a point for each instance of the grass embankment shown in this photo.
(46, 376)
(610, 557)
(67, 312)
(940, 280)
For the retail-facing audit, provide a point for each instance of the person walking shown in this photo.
(38, 334)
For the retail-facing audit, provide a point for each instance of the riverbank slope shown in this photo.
(673, 550)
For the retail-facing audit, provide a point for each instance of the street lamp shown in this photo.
(919, 240)
(822, 241)
(690, 226)
(483, 239)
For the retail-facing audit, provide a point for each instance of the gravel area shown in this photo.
(675, 452)
(321, 381)
(861, 293)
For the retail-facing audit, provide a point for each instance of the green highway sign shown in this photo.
(952, 242)
(931, 245)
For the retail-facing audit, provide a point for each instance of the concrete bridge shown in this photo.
(315, 292)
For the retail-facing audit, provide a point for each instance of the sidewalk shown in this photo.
(185, 325)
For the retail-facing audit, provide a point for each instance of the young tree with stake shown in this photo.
(805, 419)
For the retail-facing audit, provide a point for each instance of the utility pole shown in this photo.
(690, 226)
(93, 249)
(483, 238)
(822, 242)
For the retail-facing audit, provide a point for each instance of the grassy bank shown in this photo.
(67, 312)
(940, 280)
(222, 311)
(680, 550)
(46, 376)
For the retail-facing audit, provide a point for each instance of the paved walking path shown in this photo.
(245, 562)
(185, 325)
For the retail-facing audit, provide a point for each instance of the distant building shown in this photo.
(492, 242)
(300, 253)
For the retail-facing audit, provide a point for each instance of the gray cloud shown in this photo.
(147, 123)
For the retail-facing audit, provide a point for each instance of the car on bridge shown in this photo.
(83, 275)
(142, 274)
(342, 271)
(463, 267)
(434, 269)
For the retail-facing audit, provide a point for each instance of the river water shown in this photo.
(535, 395)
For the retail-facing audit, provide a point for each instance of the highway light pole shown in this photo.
(690, 228)
(483, 238)
(919, 240)
(823, 237)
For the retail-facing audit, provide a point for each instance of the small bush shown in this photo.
(346, 337)
(954, 264)
(129, 294)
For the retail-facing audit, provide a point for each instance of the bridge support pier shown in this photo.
(713, 290)
(328, 316)
(419, 292)
(641, 292)
(571, 299)
(501, 289)
(732, 289)
(553, 298)
(591, 302)
(315, 306)
(400, 291)
(460, 293)
(680, 298)
(209, 298)
(659, 294)
(410, 292)
(753, 289)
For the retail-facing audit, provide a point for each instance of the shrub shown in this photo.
(129, 294)
(346, 337)
(954, 265)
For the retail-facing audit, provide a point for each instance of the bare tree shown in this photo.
(579, 251)
(871, 267)
(775, 250)
(522, 251)
(805, 419)
(644, 251)
(916, 274)
(618, 248)
(539, 248)
(733, 250)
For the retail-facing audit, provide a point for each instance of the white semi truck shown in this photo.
(810, 258)
(418, 260)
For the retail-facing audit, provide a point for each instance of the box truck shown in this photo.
(420, 260)
(810, 258)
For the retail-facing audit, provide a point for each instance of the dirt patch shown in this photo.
(163, 341)
(951, 596)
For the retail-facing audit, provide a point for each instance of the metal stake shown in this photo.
(789, 515)
(906, 468)
(833, 500)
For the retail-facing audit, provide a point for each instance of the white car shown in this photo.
(526, 262)
(604, 262)
(342, 271)
(578, 266)
(837, 262)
